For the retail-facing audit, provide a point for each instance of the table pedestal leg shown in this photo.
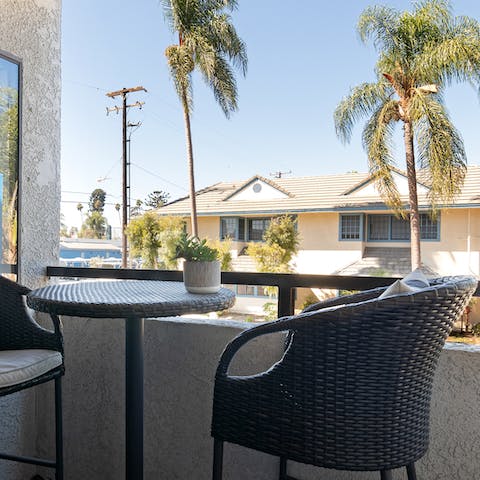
(134, 398)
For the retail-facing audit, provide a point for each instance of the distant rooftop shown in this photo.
(342, 192)
(89, 244)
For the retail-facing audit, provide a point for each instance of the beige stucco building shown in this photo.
(344, 225)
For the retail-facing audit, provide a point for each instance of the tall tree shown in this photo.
(157, 199)
(207, 41)
(97, 200)
(143, 233)
(137, 209)
(80, 209)
(154, 239)
(117, 208)
(420, 53)
(95, 226)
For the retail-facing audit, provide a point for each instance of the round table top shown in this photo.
(126, 298)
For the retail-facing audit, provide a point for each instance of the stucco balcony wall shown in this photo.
(180, 360)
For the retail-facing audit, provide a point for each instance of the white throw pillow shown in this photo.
(413, 282)
(417, 279)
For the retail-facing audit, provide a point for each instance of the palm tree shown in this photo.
(117, 208)
(80, 209)
(420, 53)
(207, 41)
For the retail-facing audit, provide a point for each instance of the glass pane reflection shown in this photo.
(9, 154)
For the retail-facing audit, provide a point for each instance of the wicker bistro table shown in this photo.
(133, 300)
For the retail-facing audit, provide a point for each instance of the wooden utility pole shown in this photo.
(125, 184)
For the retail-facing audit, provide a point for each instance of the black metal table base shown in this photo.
(134, 330)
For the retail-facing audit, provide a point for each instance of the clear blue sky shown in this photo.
(304, 56)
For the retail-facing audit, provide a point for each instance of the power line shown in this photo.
(158, 176)
(86, 85)
(89, 193)
(111, 168)
(78, 193)
(75, 201)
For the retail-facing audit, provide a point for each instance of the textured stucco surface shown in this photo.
(180, 360)
(30, 29)
(17, 433)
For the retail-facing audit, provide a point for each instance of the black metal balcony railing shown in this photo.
(8, 268)
(286, 282)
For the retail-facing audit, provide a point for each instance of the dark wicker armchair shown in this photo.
(29, 355)
(352, 390)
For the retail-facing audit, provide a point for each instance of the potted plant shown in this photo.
(201, 268)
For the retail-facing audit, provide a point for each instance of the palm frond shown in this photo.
(211, 44)
(182, 15)
(225, 39)
(455, 58)
(440, 149)
(222, 81)
(218, 5)
(361, 102)
(180, 63)
(377, 142)
(435, 15)
(379, 23)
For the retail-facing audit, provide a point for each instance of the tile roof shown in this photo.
(307, 194)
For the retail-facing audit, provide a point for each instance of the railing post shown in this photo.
(285, 301)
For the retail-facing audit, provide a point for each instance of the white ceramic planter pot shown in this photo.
(201, 277)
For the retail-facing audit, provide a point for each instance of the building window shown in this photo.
(229, 228)
(389, 228)
(378, 227)
(251, 290)
(241, 229)
(400, 229)
(429, 227)
(9, 160)
(350, 227)
(246, 290)
(257, 227)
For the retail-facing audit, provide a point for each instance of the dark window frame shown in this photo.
(13, 268)
(223, 236)
(424, 218)
(250, 220)
(344, 216)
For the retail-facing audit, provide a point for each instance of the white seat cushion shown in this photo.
(18, 366)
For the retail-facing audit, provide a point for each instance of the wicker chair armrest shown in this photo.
(284, 324)
(244, 337)
(57, 325)
(18, 327)
(346, 299)
(41, 337)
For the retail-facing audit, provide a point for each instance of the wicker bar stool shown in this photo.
(29, 355)
(352, 390)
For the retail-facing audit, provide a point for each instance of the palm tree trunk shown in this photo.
(412, 197)
(191, 175)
